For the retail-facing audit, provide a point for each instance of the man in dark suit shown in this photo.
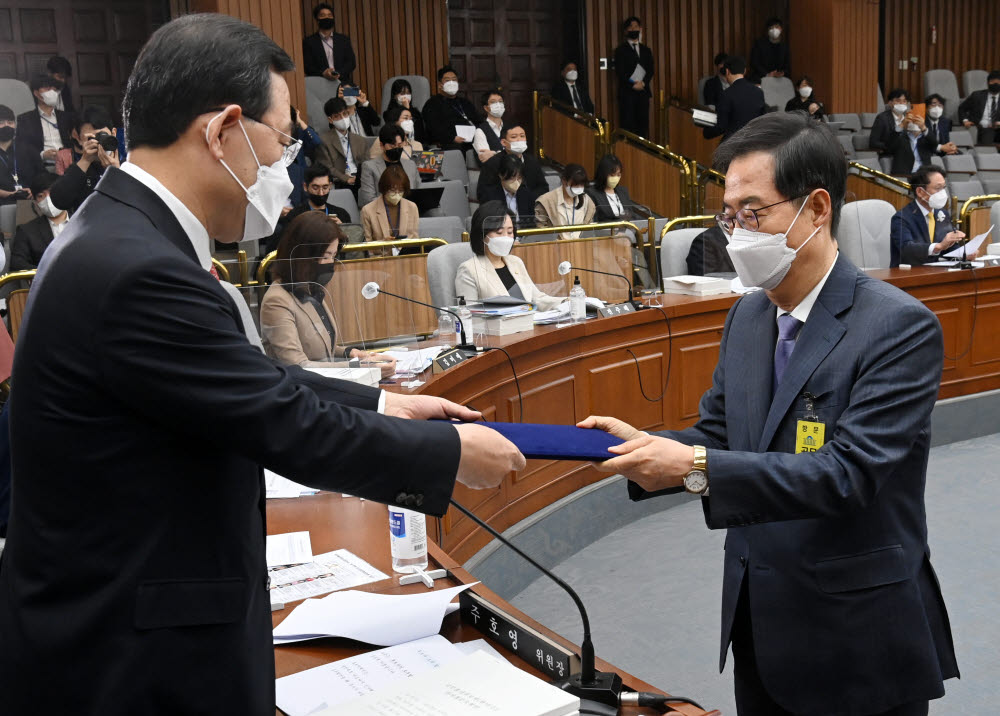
(32, 238)
(511, 189)
(633, 92)
(446, 110)
(43, 131)
(811, 450)
(770, 56)
(571, 90)
(981, 109)
(515, 142)
(907, 148)
(738, 104)
(708, 254)
(716, 84)
(142, 536)
(90, 158)
(922, 230)
(327, 53)
(889, 121)
(937, 138)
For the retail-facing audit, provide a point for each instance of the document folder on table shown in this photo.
(558, 442)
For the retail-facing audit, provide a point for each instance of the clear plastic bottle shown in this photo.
(466, 315)
(408, 539)
(446, 328)
(577, 301)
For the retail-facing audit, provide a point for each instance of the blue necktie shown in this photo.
(788, 329)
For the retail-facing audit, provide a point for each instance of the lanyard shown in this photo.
(457, 104)
(6, 164)
(48, 121)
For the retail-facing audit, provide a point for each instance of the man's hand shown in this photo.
(351, 179)
(50, 154)
(459, 140)
(336, 219)
(967, 123)
(618, 428)
(951, 238)
(813, 107)
(300, 123)
(426, 407)
(652, 462)
(487, 456)
(949, 148)
(639, 86)
(285, 210)
(362, 97)
(108, 160)
(917, 120)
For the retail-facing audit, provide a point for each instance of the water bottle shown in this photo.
(446, 328)
(577, 301)
(408, 540)
(466, 315)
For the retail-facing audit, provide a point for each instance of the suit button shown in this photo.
(743, 561)
(401, 498)
(419, 500)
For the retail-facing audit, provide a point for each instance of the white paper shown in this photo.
(468, 647)
(970, 247)
(950, 264)
(280, 487)
(381, 619)
(465, 131)
(700, 116)
(365, 375)
(289, 548)
(328, 572)
(416, 361)
(638, 74)
(333, 684)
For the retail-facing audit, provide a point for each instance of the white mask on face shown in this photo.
(403, 98)
(265, 197)
(774, 33)
(938, 200)
(763, 259)
(407, 126)
(519, 147)
(572, 75)
(805, 92)
(342, 124)
(351, 101)
(576, 190)
(900, 109)
(450, 87)
(935, 112)
(50, 97)
(500, 245)
(48, 208)
(496, 109)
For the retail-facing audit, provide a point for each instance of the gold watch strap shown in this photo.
(700, 459)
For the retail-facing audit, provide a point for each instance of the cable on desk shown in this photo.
(975, 310)
(517, 383)
(670, 358)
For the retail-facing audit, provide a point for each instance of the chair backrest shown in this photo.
(453, 167)
(885, 163)
(345, 199)
(985, 162)
(8, 219)
(849, 122)
(995, 221)
(863, 233)
(860, 140)
(473, 185)
(442, 265)
(318, 91)
(701, 88)
(985, 149)
(16, 95)
(449, 228)
(674, 250)
(454, 200)
(868, 119)
(418, 83)
(943, 82)
(966, 189)
(936, 161)
(847, 144)
(960, 164)
(962, 138)
(777, 91)
(973, 80)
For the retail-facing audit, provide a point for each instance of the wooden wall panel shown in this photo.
(966, 39)
(858, 189)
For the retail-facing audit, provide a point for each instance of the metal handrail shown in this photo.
(669, 226)
(16, 276)
(963, 215)
(221, 269)
(592, 122)
(880, 175)
(704, 177)
(688, 166)
(541, 230)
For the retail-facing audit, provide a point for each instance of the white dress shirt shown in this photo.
(327, 41)
(805, 306)
(615, 203)
(57, 228)
(51, 139)
(345, 142)
(991, 102)
(479, 142)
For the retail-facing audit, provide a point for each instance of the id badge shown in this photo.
(809, 436)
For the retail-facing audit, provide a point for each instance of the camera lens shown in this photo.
(108, 142)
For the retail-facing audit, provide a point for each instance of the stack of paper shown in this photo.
(695, 285)
(504, 325)
(415, 361)
(340, 569)
(366, 375)
(280, 487)
(703, 118)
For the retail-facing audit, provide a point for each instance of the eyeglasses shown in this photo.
(746, 217)
(290, 150)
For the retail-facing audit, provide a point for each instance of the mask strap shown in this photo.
(809, 239)
(793, 224)
(208, 128)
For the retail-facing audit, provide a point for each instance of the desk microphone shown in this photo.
(371, 289)
(565, 267)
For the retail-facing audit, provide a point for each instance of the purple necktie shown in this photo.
(788, 328)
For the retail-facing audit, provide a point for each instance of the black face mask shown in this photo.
(632, 34)
(6, 134)
(325, 275)
(394, 154)
(325, 23)
(318, 199)
(995, 89)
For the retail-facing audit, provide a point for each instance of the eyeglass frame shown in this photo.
(288, 151)
(728, 223)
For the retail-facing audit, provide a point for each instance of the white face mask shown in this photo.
(407, 126)
(351, 101)
(342, 124)
(500, 245)
(519, 147)
(576, 190)
(935, 112)
(266, 196)
(496, 109)
(900, 109)
(805, 92)
(938, 200)
(450, 87)
(50, 97)
(48, 208)
(403, 98)
(572, 75)
(763, 259)
(774, 33)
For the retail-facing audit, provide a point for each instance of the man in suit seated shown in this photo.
(31, 239)
(708, 254)
(634, 93)
(446, 110)
(393, 139)
(938, 136)
(316, 185)
(341, 150)
(571, 90)
(327, 53)
(811, 450)
(922, 230)
(11, 186)
(981, 109)
(738, 104)
(889, 121)
(512, 190)
(908, 148)
(514, 141)
(42, 131)
(716, 84)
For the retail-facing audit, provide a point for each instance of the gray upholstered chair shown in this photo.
(863, 234)
(442, 265)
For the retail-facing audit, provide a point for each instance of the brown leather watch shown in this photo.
(696, 481)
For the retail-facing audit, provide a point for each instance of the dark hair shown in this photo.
(6, 113)
(60, 65)
(94, 115)
(488, 217)
(568, 61)
(574, 174)
(334, 105)
(772, 21)
(994, 75)
(608, 165)
(735, 65)
(42, 181)
(394, 112)
(807, 79)
(508, 127)
(444, 70)
(489, 93)
(315, 171)
(193, 65)
(510, 166)
(39, 81)
(629, 20)
(389, 133)
(720, 58)
(934, 96)
(321, 6)
(394, 176)
(806, 155)
(897, 92)
(306, 237)
(922, 177)
(398, 86)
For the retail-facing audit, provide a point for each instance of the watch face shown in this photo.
(695, 481)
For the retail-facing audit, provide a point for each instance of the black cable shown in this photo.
(670, 358)
(975, 310)
(517, 383)
(656, 701)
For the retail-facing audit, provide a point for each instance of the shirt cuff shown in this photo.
(930, 249)
(381, 403)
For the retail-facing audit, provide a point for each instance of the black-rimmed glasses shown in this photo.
(746, 217)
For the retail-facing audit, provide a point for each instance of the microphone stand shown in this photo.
(964, 263)
(464, 346)
(637, 305)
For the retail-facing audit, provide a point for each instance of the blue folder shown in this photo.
(558, 442)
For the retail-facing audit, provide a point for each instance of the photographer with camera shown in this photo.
(95, 149)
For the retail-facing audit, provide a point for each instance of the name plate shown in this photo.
(616, 310)
(448, 359)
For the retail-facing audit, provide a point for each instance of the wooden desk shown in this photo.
(336, 522)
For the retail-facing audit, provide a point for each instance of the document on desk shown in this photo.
(418, 361)
(289, 548)
(328, 572)
(280, 487)
(380, 619)
(971, 247)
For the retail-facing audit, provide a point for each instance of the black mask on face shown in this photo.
(325, 23)
(318, 199)
(325, 274)
(632, 34)
(6, 134)
(995, 87)
(394, 154)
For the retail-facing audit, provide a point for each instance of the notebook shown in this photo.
(557, 442)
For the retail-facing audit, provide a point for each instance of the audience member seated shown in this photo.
(316, 185)
(889, 121)
(770, 56)
(938, 137)
(402, 118)
(512, 191)
(716, 84)
(95, 149)
(514, 142)
(401, 95)
(567, 204)
(61, 70)
(297, 324)
(327, 53)
(43, 131)
(611, 199)
(570, 90)
(342, 150)
(364, 118)
(739, 104)
(922, 230)
(494, 271)
(488, 133)
(446, 110)
(392, 138)
(390, 215)
(11, 187)
(804, 101)
(297, 169)
(981, 109)
(907, 147)
(708, 254)
(32, 238)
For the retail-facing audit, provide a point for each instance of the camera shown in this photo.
(108, 141)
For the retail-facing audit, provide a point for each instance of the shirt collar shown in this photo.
(805, 306)
(195, 230)
(923, 209)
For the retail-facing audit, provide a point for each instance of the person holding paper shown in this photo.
(634, 67)
(922, 230)
(449, 120)
(739, 104)
(134, 573)
(811, 449)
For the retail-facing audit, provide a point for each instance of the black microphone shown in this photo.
(565, 267)
(371, 289)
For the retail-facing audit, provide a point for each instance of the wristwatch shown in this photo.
(696, 481)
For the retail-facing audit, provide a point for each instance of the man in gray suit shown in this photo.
(811, 450)
(392, 138)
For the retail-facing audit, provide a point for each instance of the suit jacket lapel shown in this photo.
(757, 387)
